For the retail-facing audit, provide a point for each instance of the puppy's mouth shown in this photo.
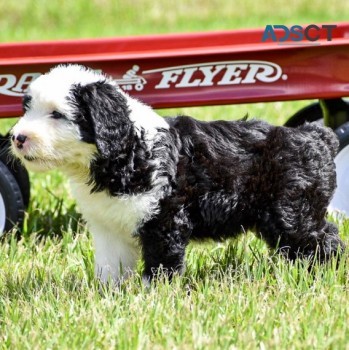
(30, 158)
(39, 164)
(33, 159)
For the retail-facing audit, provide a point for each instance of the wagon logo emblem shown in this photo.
(130, 80)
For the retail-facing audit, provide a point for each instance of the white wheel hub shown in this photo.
(340, 200)
(2, 215)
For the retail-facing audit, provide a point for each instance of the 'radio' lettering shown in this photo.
(10, 87)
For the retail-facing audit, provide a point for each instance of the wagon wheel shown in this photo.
(309, 114)
(336, 114)
(340, 200)
(139, 87)
(11, 201)
(16, 168)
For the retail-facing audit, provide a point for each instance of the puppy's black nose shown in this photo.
(19, 140)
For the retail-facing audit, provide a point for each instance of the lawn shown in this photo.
(234, 295)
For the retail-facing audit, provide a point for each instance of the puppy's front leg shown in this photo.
(162, 254)
(163, 241)
(115, 256)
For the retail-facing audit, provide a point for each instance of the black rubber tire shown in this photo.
(16, 168)
(343, 135)
(313, 113)
(340, 199)
(309, 114)
(11, 196)
(337, 110)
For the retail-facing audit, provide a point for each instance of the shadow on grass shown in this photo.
(52, 222)
(50, 218)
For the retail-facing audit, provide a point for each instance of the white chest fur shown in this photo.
(113, 222)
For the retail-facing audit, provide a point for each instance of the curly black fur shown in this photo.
(223, 178)
(236, 176)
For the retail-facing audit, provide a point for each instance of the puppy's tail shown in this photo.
(324, 134)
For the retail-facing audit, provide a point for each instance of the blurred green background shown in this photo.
(44, 19)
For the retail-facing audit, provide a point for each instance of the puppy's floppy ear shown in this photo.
(103, 107)
(121, 165)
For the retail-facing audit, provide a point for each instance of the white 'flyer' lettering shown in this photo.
(231, 73)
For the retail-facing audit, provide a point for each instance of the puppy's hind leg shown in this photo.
(297, 229)
(329, 242)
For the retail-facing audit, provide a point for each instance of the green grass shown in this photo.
(234, 295)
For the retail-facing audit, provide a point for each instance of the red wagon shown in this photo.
(197, 69)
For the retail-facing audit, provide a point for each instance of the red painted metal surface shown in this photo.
(190, 69)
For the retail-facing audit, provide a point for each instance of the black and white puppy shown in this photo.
(147, 185)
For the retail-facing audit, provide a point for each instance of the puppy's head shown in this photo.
(71, 115)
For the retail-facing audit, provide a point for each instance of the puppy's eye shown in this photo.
(57, 115)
